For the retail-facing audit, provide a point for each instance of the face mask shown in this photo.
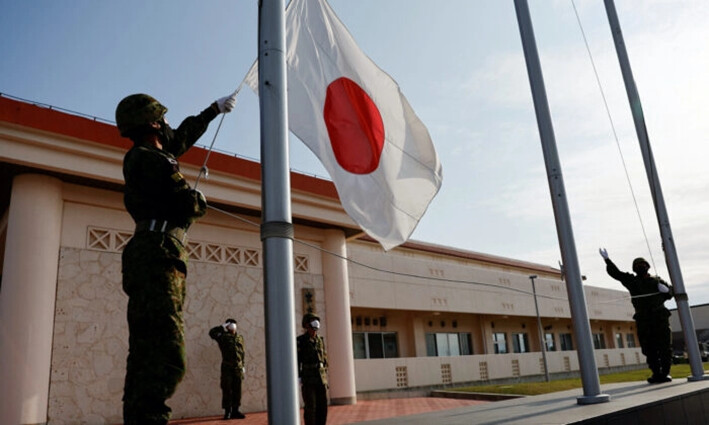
(315, 324)
(167, 135)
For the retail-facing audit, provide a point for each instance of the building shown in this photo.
(419, 316)
(700, 318)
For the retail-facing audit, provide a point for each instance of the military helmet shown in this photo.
(309, 317)
(640, 260)
(137, 110)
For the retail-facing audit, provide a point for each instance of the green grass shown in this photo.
(534, 388)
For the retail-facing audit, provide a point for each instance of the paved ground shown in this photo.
(362, 411)
(631, 403)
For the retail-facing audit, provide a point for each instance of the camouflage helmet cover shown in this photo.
(137, 110)
(309, 317)
(640, 260)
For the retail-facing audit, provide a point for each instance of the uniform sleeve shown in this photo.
(216, 332)
(623, 277)
(190, 130)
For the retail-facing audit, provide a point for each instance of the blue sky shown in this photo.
(460, 64)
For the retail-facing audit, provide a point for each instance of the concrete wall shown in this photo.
(90, 333)
(409, 373)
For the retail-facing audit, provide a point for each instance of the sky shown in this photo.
(461, 66)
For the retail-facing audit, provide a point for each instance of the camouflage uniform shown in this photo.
(651, 317)
(312, 370)
(232, 375)
(155, 267)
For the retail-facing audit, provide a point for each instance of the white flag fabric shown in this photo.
(353, 116)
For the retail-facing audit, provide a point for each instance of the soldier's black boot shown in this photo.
(238, 415)
(227, 413)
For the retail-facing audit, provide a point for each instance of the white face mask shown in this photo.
(231, 327)
(315, 324)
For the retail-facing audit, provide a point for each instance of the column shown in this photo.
(339, 323)
(27, 298)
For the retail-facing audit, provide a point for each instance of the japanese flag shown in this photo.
(353, 116)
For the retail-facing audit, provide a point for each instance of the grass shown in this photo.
(535, 388)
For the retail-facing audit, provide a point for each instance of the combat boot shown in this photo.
(227, 413)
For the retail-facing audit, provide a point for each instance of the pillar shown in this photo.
(27, 298)
(339, 323)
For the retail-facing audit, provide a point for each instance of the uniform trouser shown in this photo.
(656, 343)
(315, 403)
(230, 383)
(156, 355)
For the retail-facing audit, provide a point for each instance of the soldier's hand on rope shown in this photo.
(227, 103)
(663, 288)
(603, 253)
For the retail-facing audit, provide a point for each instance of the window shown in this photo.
(499, 340)
(374, 345)
(598, 341)
(549, 341)
(566, 342)
(630, 340)
(448, 344)
(520, 343)
(619, 340)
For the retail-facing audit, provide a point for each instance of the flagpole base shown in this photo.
(593, 399)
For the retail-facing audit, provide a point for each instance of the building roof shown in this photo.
(51, 120)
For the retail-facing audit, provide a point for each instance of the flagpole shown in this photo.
(276, 226)
(668, 242)
(577, 301)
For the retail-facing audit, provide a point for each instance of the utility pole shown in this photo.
(539, 327)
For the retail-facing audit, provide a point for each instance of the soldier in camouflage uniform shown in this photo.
(155, 261)
(231, 345)
(651, 316)
(312, 371)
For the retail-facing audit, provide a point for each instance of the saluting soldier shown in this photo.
(231, 344)
(312, 371)
(652, 318)
(155, 260)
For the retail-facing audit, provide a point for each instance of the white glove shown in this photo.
(662, 288)
(603, 253)
(243, 370)
(227, 103)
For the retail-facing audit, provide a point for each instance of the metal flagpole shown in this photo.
(577, 301)
(668, 242)
(276, 226)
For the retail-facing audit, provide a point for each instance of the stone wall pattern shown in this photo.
(91, 337)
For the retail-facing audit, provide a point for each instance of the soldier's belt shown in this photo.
(162, 226)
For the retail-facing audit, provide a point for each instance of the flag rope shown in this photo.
(615, 134)
(204, 171)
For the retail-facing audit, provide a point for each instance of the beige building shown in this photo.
(417, 317)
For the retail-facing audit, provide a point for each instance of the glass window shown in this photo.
(448, 344)
(466, 347)
(499, 340)
(359, 347)
(630, 340)
(549, 341)
(431, 345)
(619, 340)
(566, 342)
(374, 345)
(598, 341)
(520, 343)
(391, 350)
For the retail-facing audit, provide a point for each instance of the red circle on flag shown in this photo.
(354, 125)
